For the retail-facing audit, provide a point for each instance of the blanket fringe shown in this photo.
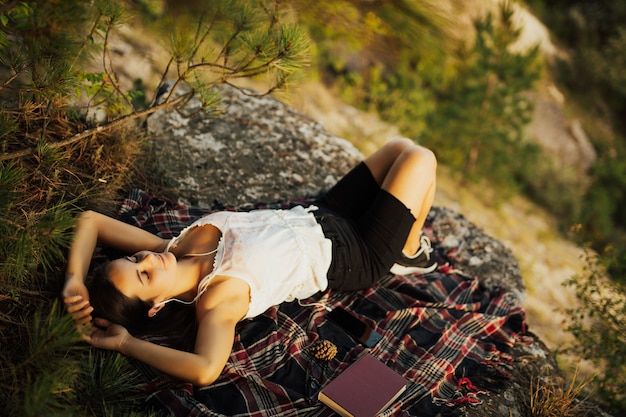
(490, 375)
(465, 394)
(446, 268)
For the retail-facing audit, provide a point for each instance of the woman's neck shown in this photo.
(195, 251)
(190, 271)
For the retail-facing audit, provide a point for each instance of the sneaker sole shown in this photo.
(398, 269)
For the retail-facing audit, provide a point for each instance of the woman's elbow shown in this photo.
(206, 375)
(87, 217)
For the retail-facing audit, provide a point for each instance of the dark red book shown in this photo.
(364, 389)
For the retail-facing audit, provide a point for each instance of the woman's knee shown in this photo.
(418, 153)
(399, 145)
(422, 158)
(380, 162)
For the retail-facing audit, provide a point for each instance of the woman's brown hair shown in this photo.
(174, 320)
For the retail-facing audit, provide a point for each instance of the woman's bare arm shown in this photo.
(220, 308)
(93, 228)
(203, 366)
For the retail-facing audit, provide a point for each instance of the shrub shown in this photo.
(599, 327)
(477, 125)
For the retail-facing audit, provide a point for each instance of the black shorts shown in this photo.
(368, 228)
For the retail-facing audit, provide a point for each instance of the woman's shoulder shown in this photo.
(228, 294)
(216, 219)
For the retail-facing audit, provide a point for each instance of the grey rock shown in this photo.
(476, 254)
(259, 150)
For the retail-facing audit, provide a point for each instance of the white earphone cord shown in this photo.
(314, 304)
(162, 303)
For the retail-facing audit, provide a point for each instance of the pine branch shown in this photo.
(226, 47)
(89, 37)
(161, 81)
(11, 79)
(109, 126)
(173, 89)
(209, 65)
(112, 76)
(247, 93)
(202, 39)
(3, 219)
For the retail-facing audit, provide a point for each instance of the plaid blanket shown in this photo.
(442, 331)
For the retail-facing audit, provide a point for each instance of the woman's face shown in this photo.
(146, 275)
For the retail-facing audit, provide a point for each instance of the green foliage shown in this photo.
(38, 242)
(39, 40)
(44, 364)
(402, 98)
(470, 107)
(599, 326)
(479, 120)
(608, 61)
(604, 218)
(559, 188)
(48, 366)
(53, 373)
(602, 214)
(110, 374)
(228, 40)
(351, 37)
(581, 22)
(606, 198)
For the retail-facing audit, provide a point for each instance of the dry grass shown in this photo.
(89, 171)
(554, 397)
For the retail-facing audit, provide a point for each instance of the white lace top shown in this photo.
(281, 254)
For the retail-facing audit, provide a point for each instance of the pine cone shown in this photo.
(324, 350)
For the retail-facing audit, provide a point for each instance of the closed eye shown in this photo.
(140, 275)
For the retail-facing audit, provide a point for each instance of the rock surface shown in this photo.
(259, 150)
(262, 150)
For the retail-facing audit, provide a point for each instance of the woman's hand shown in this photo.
(76, 299)
(107, 335)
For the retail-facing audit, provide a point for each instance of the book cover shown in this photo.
(364, 389)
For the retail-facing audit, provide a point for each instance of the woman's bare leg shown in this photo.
(408, 172)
